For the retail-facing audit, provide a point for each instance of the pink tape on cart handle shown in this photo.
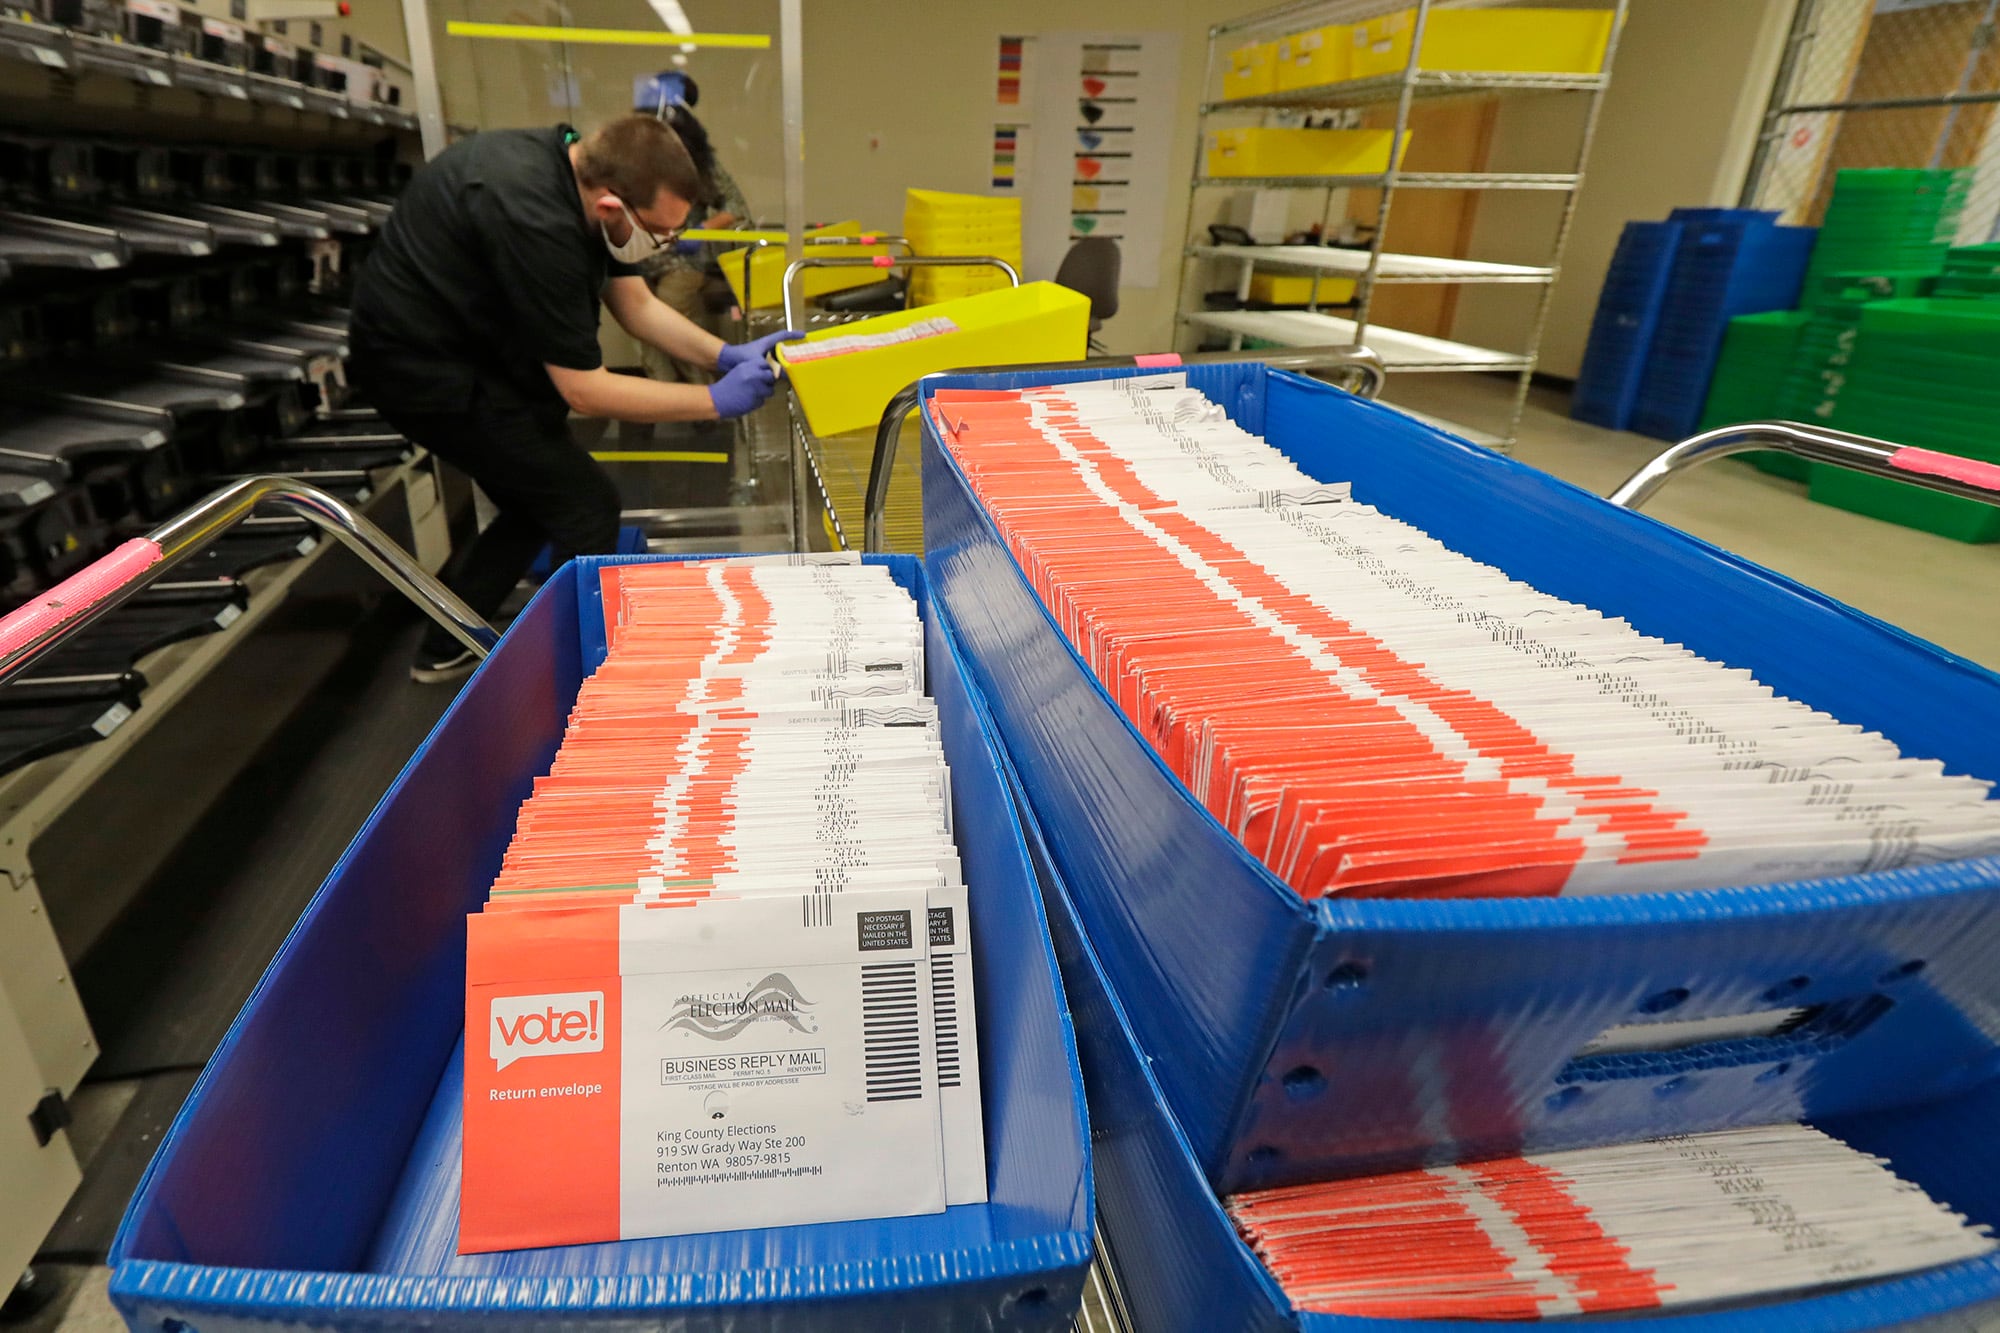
(77, 593)
(1971, 471)
(1149, 359)
(883, 261)
(868, 237)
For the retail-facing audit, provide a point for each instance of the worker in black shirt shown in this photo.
(474, 333)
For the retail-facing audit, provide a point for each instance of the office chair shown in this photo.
(1091, 267)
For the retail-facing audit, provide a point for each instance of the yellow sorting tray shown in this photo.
(1252, 70)
(1517, 41)
(1319, 55)
(1036, 322)
(768, 269)
(1290, 152)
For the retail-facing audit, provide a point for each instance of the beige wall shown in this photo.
(897, 94)
(1677, 129)
(904, 98)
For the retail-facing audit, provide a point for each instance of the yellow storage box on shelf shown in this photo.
(767, 272)
(1252, 71)
(1308, 59)
(1297, 289)
(1290, 152)
(847, 392)
(1515, 41)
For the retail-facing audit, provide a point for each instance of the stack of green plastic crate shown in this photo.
(1821, 359)
(1790, 365)
(1922, 374)
(1882, 220)
(1971, 272)
(1757, 352)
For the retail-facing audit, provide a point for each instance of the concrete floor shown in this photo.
(1935, 588)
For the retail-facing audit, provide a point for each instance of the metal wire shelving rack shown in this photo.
(1402, 351)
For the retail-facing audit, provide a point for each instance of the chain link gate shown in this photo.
(1883, 83)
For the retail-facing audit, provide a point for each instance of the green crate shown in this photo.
(1756, 350)
(1899, 502)
(1964, 327)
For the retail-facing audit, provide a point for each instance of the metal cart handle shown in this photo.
(865, 238)
(798, 266)
(1357, 359)
(34, 628)
(1967, 478)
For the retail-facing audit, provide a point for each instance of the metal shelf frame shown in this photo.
(1380, 88)
(1391, 267)
(1406, 180)
(1400, 350)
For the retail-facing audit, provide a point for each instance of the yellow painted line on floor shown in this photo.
(656, 456)
(527, 32)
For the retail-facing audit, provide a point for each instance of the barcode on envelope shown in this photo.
(944, 1008)
(891, 1044)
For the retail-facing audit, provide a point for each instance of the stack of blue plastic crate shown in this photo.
(1628, 310)
(1730, 262)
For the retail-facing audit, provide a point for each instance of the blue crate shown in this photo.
(1746, 216)
(312, 1178)
(1628, 311)
(1724, 267)
(1463, 1020)
(1186, 1270)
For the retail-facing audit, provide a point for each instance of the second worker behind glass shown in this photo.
(685, 275)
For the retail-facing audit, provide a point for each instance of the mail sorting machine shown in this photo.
(128, 390)
(171, 318)
(159, 43)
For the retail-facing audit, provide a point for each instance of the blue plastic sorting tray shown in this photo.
(312, 1178)
(1628, 311)
(1729, 262)
(1297, 1039)
(1184, 1269)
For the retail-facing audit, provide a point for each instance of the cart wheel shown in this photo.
(32, 1293)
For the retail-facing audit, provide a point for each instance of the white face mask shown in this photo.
(639, 246)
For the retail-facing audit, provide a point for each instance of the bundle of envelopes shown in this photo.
(1697, 1219)
(1373, 713)
(723, 978)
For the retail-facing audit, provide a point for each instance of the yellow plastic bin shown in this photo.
(1308, 59)
(1036, 322)
(1297, 289)
(1290, 152)
(767, 273)
(929, 286)
(1252, 71)
(1517, 41)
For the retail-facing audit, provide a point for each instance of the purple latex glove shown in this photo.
(734, 354)
(743, 389)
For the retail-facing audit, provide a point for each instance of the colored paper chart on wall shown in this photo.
(1007, 143)
(1111, 95)
(1010, 71)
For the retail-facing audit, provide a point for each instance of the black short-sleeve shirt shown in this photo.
(487, 270)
